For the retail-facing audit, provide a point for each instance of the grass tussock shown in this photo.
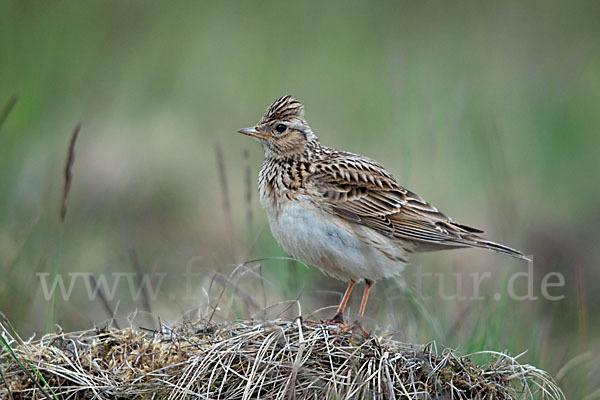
(242, 360)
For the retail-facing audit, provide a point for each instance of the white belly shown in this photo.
(341, 249)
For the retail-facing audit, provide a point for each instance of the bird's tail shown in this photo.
(499, 248)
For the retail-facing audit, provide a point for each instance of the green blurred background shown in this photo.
(489, 110)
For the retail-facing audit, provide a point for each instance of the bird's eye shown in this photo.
(280, 128)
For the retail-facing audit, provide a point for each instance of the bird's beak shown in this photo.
(254, 133)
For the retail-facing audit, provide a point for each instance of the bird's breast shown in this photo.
(280, 181)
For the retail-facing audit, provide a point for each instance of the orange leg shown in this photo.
(361, 312)
(363, 303)
(339, 315)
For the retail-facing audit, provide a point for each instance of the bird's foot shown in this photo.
(338, 319)
(338, 326)
(356, 326)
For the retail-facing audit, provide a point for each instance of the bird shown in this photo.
(342, 212)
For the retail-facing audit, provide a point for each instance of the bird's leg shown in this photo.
(361, 310)
(338, 318)
(363, 302)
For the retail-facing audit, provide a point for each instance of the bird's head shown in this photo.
(282, 130)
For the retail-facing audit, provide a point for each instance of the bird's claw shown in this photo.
(340, 328)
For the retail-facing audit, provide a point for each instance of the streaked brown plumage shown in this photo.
(338, 210)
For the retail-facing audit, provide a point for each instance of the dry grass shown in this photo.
(243, 360)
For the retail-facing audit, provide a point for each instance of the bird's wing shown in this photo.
(360, 190)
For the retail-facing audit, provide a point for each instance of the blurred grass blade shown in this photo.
(135, 262)
(111, 313)
(248, 194)
(8, 108)
(225, 194)
(68, 175)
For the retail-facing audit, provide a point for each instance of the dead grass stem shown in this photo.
(248, 359)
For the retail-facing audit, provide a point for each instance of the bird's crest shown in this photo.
(284, 107)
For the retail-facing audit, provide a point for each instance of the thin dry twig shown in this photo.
(247, 298)
(68, 171)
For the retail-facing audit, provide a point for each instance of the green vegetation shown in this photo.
(488, 110)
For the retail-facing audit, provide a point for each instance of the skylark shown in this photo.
(342, 212)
